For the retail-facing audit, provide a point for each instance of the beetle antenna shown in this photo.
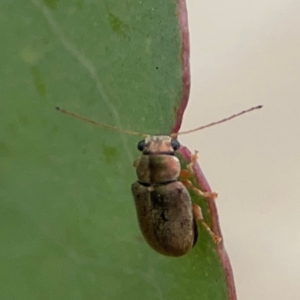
(218, 122)
(64, 111)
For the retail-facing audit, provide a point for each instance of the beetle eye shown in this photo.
(175, 144)
(141, 145)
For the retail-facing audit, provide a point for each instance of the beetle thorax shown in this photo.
(158, 163)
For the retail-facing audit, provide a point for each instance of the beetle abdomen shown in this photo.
(165, 217)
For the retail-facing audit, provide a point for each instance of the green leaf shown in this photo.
(68, 225)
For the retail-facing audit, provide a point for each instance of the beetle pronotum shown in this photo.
(166, 215)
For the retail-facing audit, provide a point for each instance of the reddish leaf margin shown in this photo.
(186, 154)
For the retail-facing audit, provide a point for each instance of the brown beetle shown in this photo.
(163, 204)
(167, 217)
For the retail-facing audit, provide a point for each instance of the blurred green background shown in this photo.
(68, 225)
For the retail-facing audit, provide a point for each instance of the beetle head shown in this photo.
(158, 144)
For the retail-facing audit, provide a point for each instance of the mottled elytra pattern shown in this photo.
(165, 217)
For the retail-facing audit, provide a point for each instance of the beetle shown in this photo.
(166, 214)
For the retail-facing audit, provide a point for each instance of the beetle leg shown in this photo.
(194, 158)
(188, 184)
(136, 162)
(188, 173)
(213, 195)
(197, 212)
(185, 174)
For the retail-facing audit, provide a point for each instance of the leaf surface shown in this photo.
(68, 223)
